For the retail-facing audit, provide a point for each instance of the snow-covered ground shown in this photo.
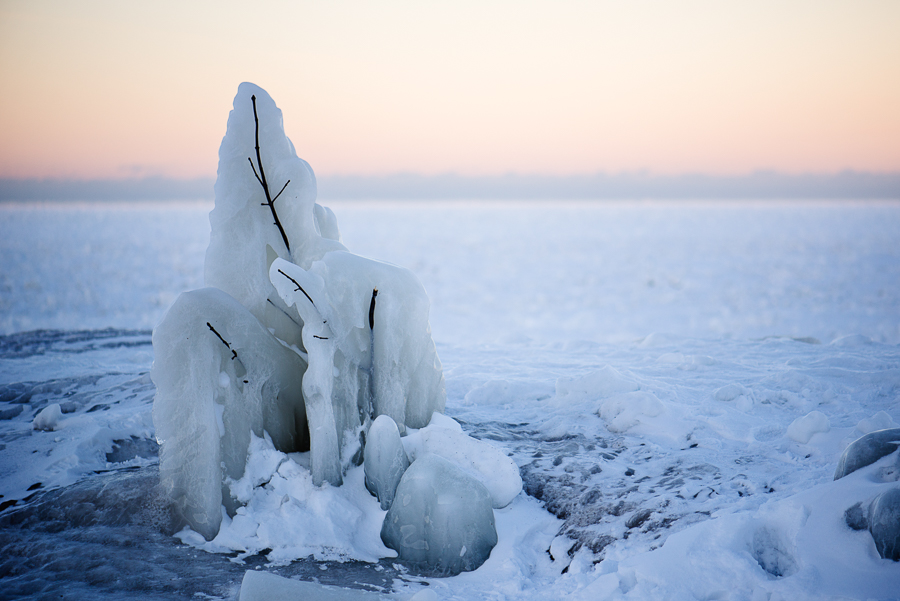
(676, 382)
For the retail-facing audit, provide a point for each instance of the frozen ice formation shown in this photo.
(294, 337)
(486, 463)
(441, 519)
(48, 418)
(258, 585)
(298, 345)
(867, 450)
(211, 395)
(804, 428)
(884, 523)
(385, 461)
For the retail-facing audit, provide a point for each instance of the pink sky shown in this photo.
(109, 89)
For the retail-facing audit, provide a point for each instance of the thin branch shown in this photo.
(299, 287)
(282, 190)
(372, 309)
(262, 179)
(256, 174)
(225, 342)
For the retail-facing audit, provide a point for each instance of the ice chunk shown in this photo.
(595, 385)
(48, 418)
(884, 523)
(622, 412)
(803, 428)
(729, 392)
(441, 519)
(489, 465)
(879, 421)
(867, 450)
(265, 586)
(385, 460)
(204, 427)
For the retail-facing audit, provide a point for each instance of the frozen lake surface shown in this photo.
(651, 368)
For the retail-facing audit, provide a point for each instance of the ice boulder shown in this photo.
(441, 520)
(48, 418)
(385, 460)
(804, 428)
(884, 523)
(486, 463)
(867, 450)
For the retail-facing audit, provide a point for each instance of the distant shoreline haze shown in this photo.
(625, 186)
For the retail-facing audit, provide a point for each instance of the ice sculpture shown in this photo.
(441, 519)
(295, 336)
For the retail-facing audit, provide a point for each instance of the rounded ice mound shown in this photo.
(866, 450)
(486, 463)
(441, 519)
(385, 461)
(48, 419)
(804, 428)
(884, 523)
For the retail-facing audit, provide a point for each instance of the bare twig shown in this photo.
(372, 309)
(261, 178)
(225, 342)
(299, 287)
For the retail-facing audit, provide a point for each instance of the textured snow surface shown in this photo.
(650, 368)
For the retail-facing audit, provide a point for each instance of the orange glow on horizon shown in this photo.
(104, 89)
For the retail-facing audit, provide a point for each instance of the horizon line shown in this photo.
(761, 184)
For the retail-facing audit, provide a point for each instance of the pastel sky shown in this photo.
(112, 89)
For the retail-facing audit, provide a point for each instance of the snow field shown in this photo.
(685, 433)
